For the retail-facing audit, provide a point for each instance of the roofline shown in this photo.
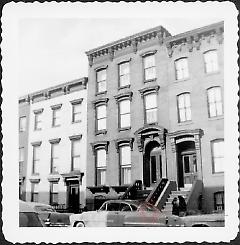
(128, 38)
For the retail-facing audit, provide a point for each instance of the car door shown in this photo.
(113, 214)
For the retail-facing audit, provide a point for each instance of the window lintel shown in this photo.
(103, 67)
(148, 53)
(124, 61)
(102, 101)
(37, 111)
(55, 141)
(122, 96)
(75, 137)
(124, 141)
(148, 90)
(36, 143)
(55, 107)
(77, 101)
(99, 145)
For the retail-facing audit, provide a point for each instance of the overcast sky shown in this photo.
(51, 45)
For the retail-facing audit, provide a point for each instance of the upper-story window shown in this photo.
(218, 155)
(125, 164)
(56, 111)
(124, 114)
(22, 124)
(54, 168)
(101, 80)
(76, 110)
(181, 68)
(150, 108)
(124, 74)
(149, 67)
(184, 107)
(101, 166)
(76, 152)
(215, 107)
(21, 159)
(36, 157)
(38, 119)
(211, 61)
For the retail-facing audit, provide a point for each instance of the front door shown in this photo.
(155, 167)
(74, 198)
(189, 164)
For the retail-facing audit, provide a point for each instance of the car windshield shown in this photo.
(29, 219)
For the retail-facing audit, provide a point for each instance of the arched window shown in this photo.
(211, 61)
(181, 68)
(184, 107)
(215, 107)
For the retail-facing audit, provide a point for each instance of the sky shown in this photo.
(51, 45)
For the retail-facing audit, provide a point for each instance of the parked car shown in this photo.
(49, 215)
(120, 213)
(28, 217)
(204, 220)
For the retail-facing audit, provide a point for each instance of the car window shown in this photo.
(134, 208)
(125, 207)
(112, 206)
(103, 207)
(29, 220)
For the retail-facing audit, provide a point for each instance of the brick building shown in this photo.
(155, 110)
(56, 160)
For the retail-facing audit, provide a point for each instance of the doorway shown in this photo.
(152, 164)
(73, 198)
(187, 164)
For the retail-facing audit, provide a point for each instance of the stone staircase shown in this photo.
(184, 192)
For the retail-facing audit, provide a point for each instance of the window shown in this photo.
(101, 166)
(218, 155)
(34, 192)
(38, 119)
(124, 74)
(125, 164)
(219, 201)
(181, 68)
(54, 158)
(149, 67)
(211, 61)
(184, 107)
(101, 117)
(150, 108)
(22, 124)
(53, 193)
(215, 107)
(101, 80)
(56, 117)
(76, 112)
(124, 113)
(76, 148)
(21, 160)
(36, 159)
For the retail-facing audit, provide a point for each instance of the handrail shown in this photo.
(156, 192)
(132, 189)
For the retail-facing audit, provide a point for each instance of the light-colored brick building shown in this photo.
(56, 169)
(155, 110)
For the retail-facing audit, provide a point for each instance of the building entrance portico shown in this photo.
(151, 142)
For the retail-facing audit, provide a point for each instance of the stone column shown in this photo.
(175, 162)
(163, 156)
(198, 155)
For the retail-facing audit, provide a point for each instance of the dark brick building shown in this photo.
(155, 110)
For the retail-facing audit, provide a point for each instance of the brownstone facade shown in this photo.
(174, 126)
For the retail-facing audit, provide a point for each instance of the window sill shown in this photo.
(123, 87)
(73, 122)
(182, 80)
(101, 93)
(150, 80)
(217, 174)
(56, 126)
(37, 129)
(185, 123)
(124, 129)
(216, 118)
(149, 124)
(101, 132)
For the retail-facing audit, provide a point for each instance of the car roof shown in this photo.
(25, 207)
(38, 204)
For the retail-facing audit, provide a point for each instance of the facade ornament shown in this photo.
(47, 95)
(173, 144)
(66, 89)
(90, 60)
(197, 141)
(190, 43)
(160, 37)
(111, 53)
(162, 141)
(169, 49)
(197, 42)
(140, 143)
(134, 46)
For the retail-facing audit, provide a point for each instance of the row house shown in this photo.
(155, 110)
(55, 169)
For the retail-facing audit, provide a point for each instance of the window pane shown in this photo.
(181, 101)
(124, 80)
(101, 158)
(187, 100)
(124, 68)
(21, 154)
(188, 114)
(150, 73)
(126, 175)
(219, 109)
(125, 121)
(151, 115)
(124, 106)
(150, 101)
(101, 75)
(149, 61)
(182, 115)
(101, 111)
(218, 156)
(101, 125)
(102, 86)
(125, 152)
(181, 68)
(211, 61)
(76, 163)
(22, 124)
(101, 176)
(76, 147)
